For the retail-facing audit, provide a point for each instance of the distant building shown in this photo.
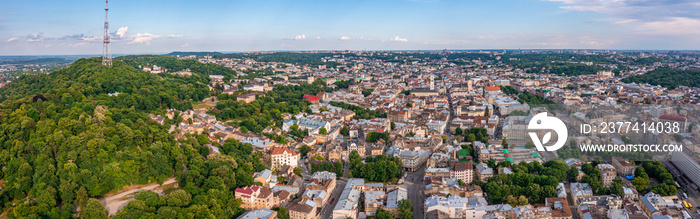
(462, 170)
(681, 120)
(624, 167)
(607, 174)
(560, 208)
(255, 197)
(249, 97)
(687, 165)
(483, 172)
(259, 214)
(280, 156)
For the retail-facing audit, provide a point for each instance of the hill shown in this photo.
(78, 143)
(178, 53)
(667, 77)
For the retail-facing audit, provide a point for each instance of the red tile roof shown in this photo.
(676, 118)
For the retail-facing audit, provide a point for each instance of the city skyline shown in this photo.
(59, 28)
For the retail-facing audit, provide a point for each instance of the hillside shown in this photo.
(87, 78)
(80, 143)
(667, 77)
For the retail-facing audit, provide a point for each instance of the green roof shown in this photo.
(505, 151)
(461, 154)
(510, 159)
(535, 154)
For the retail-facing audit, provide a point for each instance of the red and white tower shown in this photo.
(106, 53)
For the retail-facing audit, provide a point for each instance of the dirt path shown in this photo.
(116, 202)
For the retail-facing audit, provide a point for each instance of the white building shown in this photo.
(455, 207)
(314, 126)
(280, 156)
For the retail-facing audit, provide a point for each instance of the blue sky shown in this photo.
(29, 27)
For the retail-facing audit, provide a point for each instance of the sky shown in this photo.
(75, 27)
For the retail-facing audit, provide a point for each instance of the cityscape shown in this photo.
(164, 125)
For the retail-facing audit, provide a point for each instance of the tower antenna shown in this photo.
(106, 53)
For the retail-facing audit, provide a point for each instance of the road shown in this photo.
(328, 208)
(116, 202)
(415, 187)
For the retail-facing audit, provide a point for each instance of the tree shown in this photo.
(572, 173)
(323, 131)
(512, 201)
(529, 145)
(486, 112)
(393, 125)
(345, 131)
(297, 171)
(522, 200)
(94, 209)
(383, 214)
(504, 143)
(294, 127)
(458, 131)
(304, 149)
(282, 213)
(640, 183)
(405, 209)
(471, 137)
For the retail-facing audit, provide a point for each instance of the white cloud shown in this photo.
(398, 39)
(185, 45)
(676, 26)
(121, 32)
(146, 38)
(300, 37)
(11, 39)
(318, 37)
(344, 38)
(626, 21)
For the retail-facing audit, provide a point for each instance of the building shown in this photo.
(607, 174)
(437, 172)
(393, 199)
(462, 170)
(455, 207)
(312, 98)
(687, 165)
(398, 115)
(302, 210)
(314, 126)
(579, 190)
(411, 159)
(560, 208)
(259, 214)
(483, 172)
(249, 97)
(264, 177)
(681, 120)
(373, 201)
(349, 199)
(623, 167)
(280, 156)
(255, 197)
(652, 203)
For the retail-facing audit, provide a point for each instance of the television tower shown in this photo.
(106, 54)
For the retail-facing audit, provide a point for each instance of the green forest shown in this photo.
(65, 143)
(667, 77)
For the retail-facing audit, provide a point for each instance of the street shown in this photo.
(415, 187)
(328, 208)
